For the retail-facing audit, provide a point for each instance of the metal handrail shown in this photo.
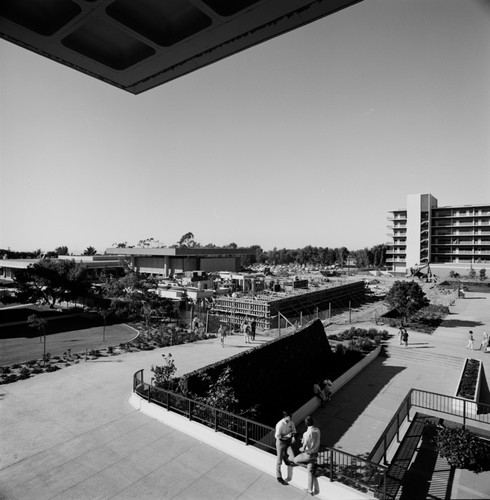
(440, 403)
(338, 465)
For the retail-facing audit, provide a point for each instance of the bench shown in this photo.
(403, 457)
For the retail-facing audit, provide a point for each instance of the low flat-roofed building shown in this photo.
(8, 266)
(166, 262)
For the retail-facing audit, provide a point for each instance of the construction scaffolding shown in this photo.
(266, 308)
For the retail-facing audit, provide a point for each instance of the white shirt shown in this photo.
(283, 428)
(311, 440)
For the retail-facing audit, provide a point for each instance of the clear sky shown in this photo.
(308, 139)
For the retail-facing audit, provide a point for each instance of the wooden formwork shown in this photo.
(265, 309)
(234, 311)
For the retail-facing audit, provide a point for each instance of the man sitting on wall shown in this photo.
(309, 451)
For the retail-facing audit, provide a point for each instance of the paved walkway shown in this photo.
(356, 417)
(72, 433)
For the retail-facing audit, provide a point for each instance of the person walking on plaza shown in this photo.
(310, 445)
(405, 338)
(484, 342)
(253, 326)
(470, 345)
(221, 335)
(285, 436)
(400, 335)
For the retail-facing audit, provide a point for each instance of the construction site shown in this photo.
(276, 304)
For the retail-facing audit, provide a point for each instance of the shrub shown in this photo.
(24, 373)
(32, 362)
(340, 349)
(52, 368)
(469, 378)
(12, 377)
(95, 353)
(165, 374)
(36, 370)
(4, 370)
(462, 448)
(110, 350)
(16, 366)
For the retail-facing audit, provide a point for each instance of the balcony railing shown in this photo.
(337, 465)
(440, 403)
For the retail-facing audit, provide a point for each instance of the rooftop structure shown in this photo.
(8, 266)
(266, 308)
(165, 262)
(448, 238)
(138, 45)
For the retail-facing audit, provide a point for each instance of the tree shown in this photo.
(90, 251)
(187, 240)
(34, 321)
(62, 250)
(472, 273)
(462, 448)
(104, 313)
(132, 297)
(483, 274)
(406, 297)
(221, 393)
(49, 281)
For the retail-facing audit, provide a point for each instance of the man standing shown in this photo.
(221, 335)
(309, 451)
(469, 345)
(253, 325)
(285, 437)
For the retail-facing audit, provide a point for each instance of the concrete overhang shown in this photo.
(137, 45)
(179, 252)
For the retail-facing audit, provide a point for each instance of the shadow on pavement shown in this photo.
(458, 323)
(342, 412)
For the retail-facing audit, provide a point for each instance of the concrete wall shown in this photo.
(220, 264)
(308, 408)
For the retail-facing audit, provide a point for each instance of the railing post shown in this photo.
(464, 413)
(215, 419)
(409, 404)
(398, 427)
(246, 432)
(149, 393)
(384, 484)
(384, 450)
(331, 465)
(190, 409)
(168, 400)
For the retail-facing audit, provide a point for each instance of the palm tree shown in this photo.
(90, 251)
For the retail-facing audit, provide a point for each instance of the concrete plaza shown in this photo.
(73, 434)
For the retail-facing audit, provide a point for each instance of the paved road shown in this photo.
(21, 349)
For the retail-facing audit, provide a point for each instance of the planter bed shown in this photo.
(468, 389)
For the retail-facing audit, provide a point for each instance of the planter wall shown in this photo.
(462, 404)
(309, 407)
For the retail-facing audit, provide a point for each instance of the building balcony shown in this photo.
(460, 214)
(396, 261)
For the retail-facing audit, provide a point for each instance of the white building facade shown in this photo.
(448, 238)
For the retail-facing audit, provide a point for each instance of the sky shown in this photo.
(306, 139)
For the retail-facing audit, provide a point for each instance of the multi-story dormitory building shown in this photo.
(448, 238)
